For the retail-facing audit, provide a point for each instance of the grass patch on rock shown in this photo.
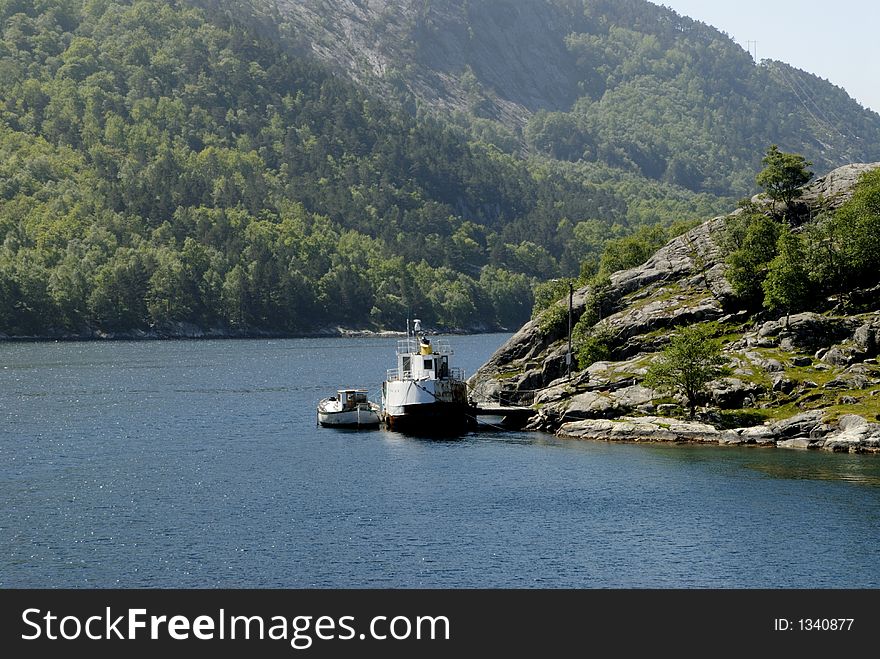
(743, 418)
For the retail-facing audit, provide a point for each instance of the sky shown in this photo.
(838, 41)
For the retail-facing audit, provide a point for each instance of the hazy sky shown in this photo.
(836, 40)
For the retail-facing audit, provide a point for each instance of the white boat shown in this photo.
(349, 408)
(425, 394)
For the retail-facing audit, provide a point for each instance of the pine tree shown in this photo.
(783, 176)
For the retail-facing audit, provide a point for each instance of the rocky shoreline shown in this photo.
(808, 381)
(850, 434)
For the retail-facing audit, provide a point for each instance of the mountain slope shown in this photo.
(163, 170)
(174, 170)
(171, 169)
(625, 83)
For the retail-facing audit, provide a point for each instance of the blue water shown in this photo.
(199, 464)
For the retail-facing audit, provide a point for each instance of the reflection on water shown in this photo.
(789, 464)
(861, 469)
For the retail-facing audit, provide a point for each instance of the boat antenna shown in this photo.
(417, 325)
(407, 327)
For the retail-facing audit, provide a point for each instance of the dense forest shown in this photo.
(164, 164)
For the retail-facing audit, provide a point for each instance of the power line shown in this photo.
(827, 125)
(802, 85)
(749, 47)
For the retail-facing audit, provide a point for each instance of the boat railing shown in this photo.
(411, 346)
(455, 373)
(407, 346)
(441, 346)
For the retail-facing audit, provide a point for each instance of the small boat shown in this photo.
(349, 408)
(425, 394)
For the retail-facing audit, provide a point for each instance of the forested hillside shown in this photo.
(161, 165)
(625, 84)
(165, 165)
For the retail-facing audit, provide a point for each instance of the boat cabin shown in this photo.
(351, 398)
(419, 359)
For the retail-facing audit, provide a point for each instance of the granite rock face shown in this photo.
(851, 434)
(805, 360)
(514, 55)
(640, 429)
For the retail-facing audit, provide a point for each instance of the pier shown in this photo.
(512, 417)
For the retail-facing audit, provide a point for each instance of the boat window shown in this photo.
(406, 365)
(429, 364)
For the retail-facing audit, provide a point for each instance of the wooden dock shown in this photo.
(510, 417)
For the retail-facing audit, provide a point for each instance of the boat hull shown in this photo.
(349, 419)
(430, 419)
(361, 417)
(426, 407)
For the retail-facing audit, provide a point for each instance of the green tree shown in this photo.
(747, 265)
(857, 228)
(690, 361)
(592, 344)
(236, 297)
(548, 292)
(598, 301)
(631, 251)
(510, 294)
(117, 300)
(787, 284)
(783, 176)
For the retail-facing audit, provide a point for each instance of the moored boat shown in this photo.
(349, 408)
(425, 394)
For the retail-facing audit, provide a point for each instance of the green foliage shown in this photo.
(161, 163)
(593, 340)
(690, 361)
(789, 271)
(787, 284)
(855, 232)
(596, 306)
(118, 296)
(551, 319)
(783, 175)
(753, 239)
(633, 250)
(549, 292)
(591, 344)
(509, 293)
(678, 101)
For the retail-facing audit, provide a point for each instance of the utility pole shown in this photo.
(570, 301)
(749, 46)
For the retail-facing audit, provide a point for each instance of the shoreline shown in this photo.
(806, 431)
(197, 334)
(798, 444)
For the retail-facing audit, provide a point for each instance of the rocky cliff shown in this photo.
(507, 56)
(810, 382)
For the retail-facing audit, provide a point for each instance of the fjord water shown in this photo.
(199, 464)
